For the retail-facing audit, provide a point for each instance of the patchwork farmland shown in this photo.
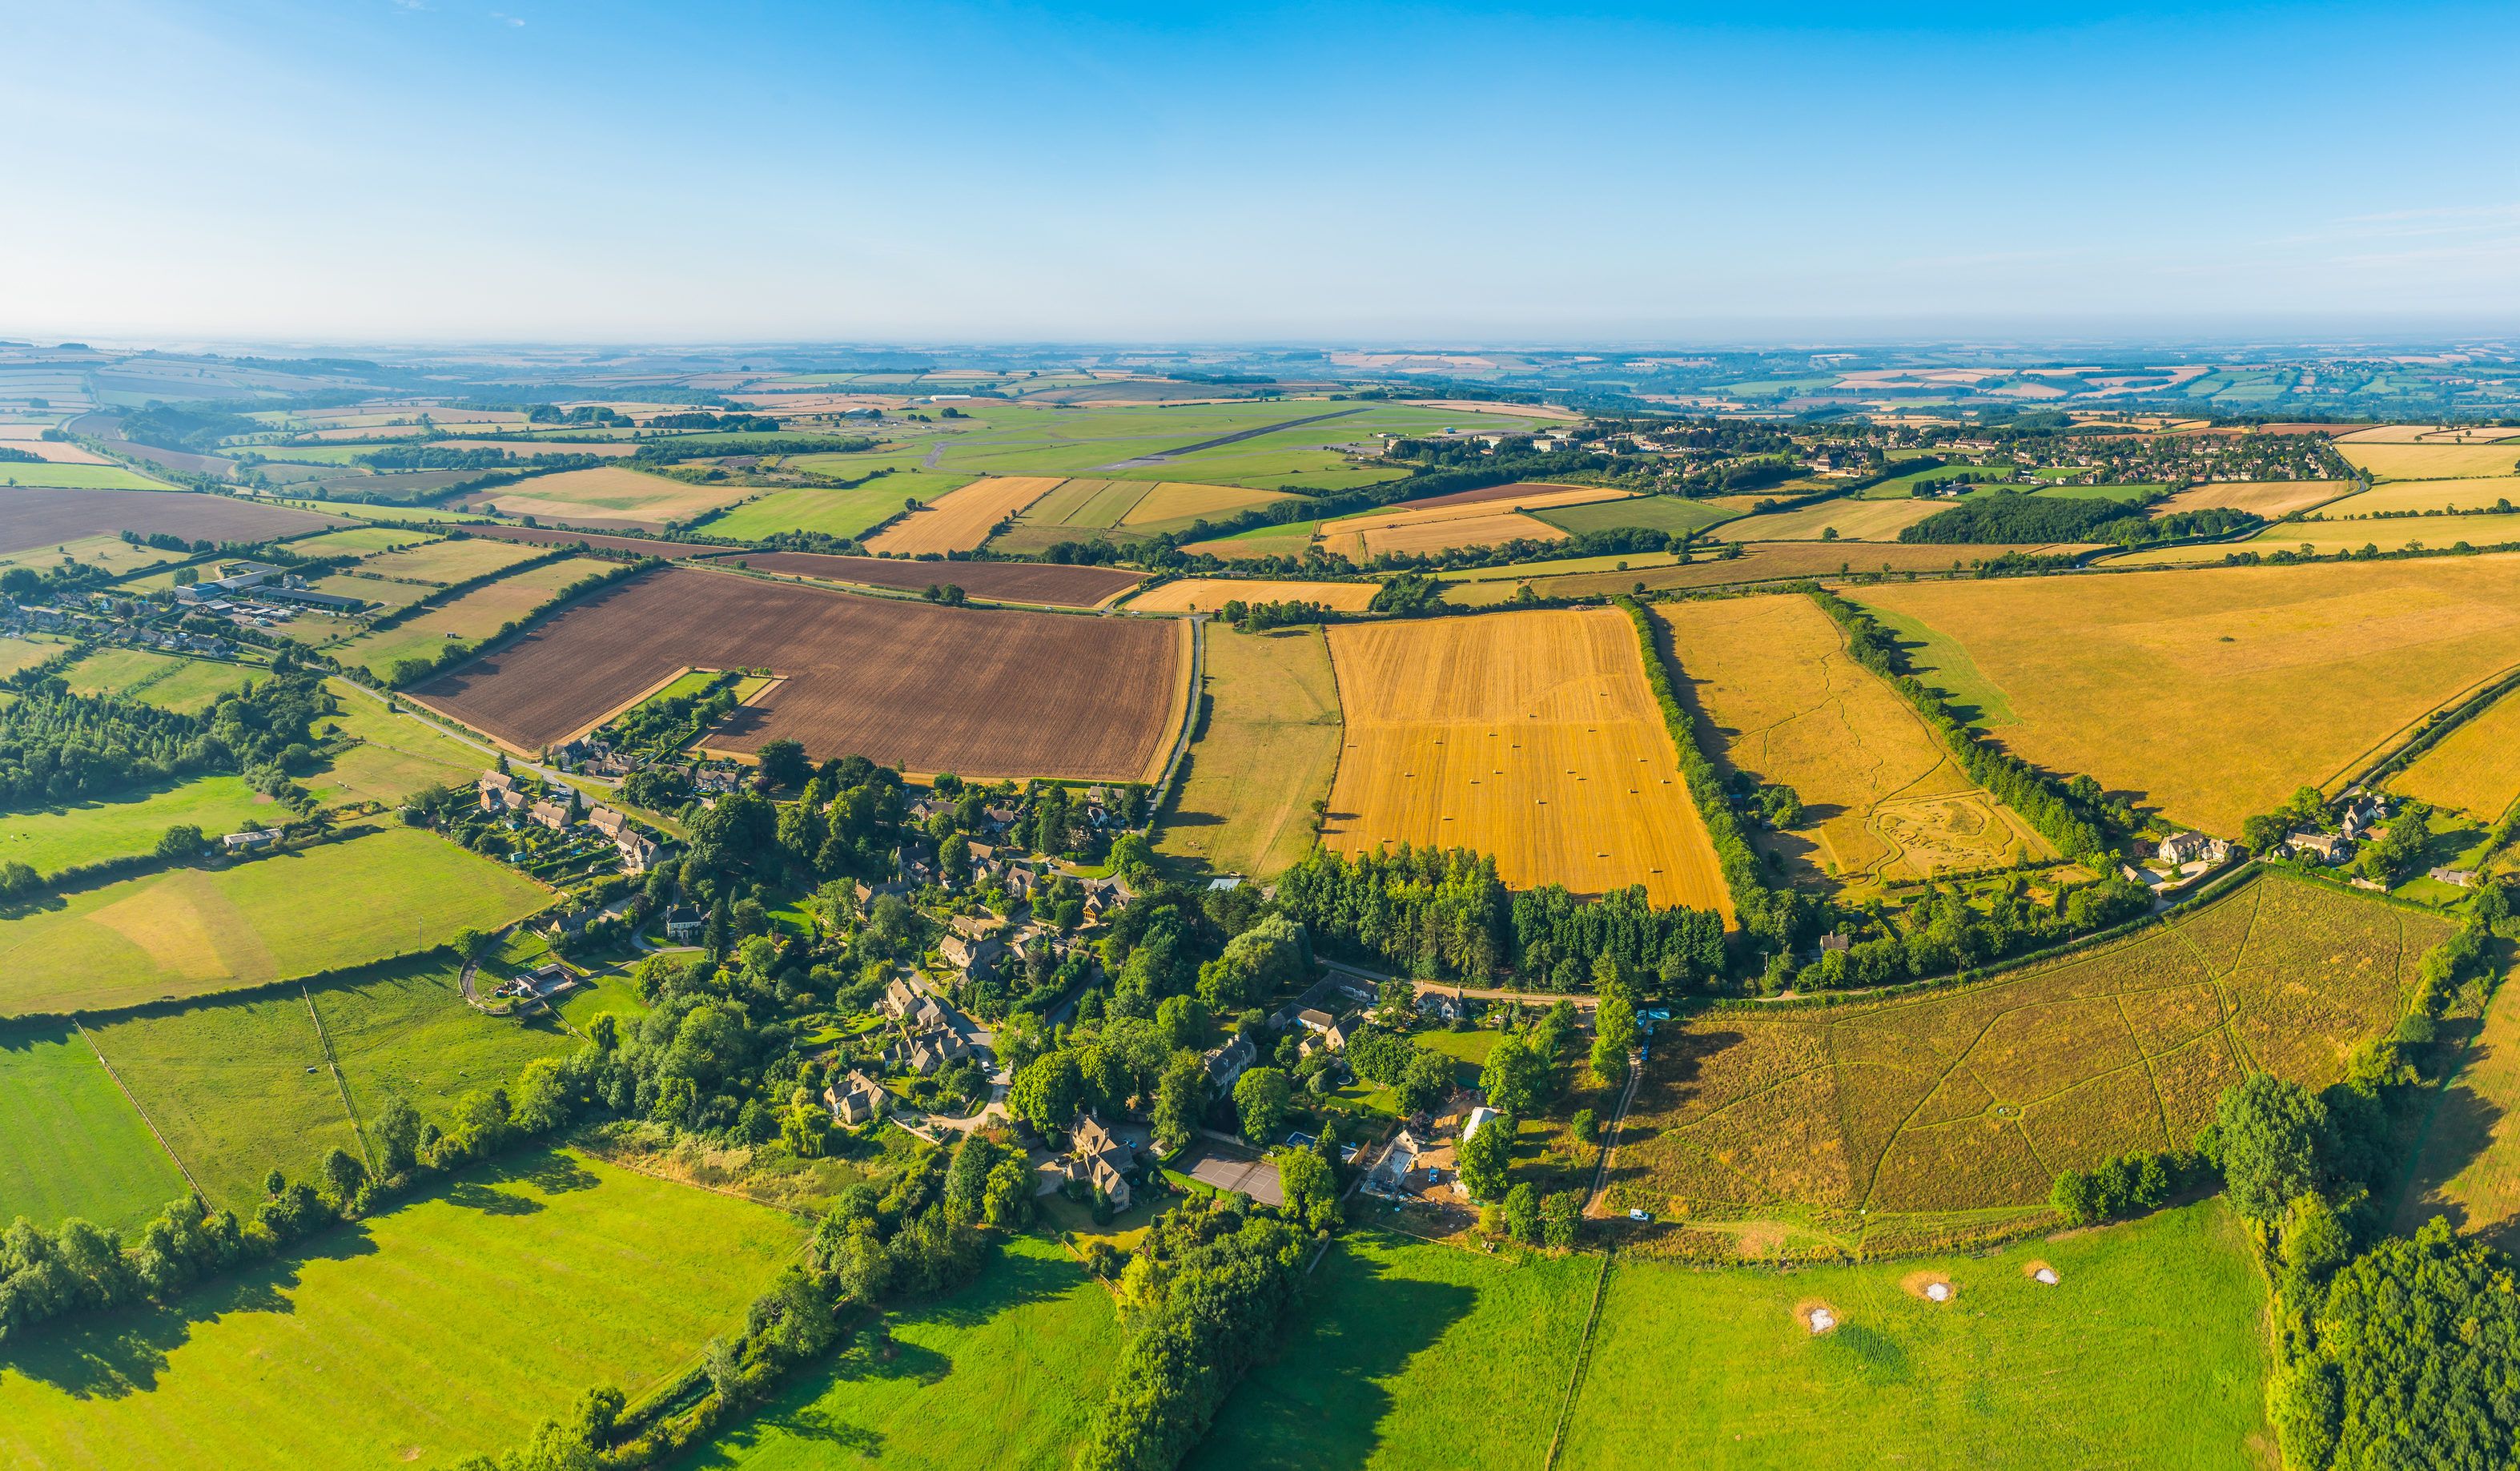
(1529, 736)
(960, 519)
(1964, 1103)
(975, 692)
(1265, 755)
(2186, 687)
(1882, 798)
(610, 497)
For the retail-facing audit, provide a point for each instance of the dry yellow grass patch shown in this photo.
(2428, 433)
(1455, 523)
(2328, 538)
(50, 450)
(959, 520)
(1205, 594)
(2272, 499)
(2431, 461)
(1529, 736)
(2475, 768)
(2468, 495)
(2213, 694)
(1882, 797)
(1853, 520)
(1187, 500)
(606, 496)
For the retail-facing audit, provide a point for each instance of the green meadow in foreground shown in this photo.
(191, 931)
(70, 1144)
(447, 1327)
(2149, 1351)
(123, 826)
(1004, 1373)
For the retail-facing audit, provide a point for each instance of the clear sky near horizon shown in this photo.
(341, 170)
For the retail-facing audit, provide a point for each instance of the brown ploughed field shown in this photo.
(982, 692)
(1000, 581)
(35, 517)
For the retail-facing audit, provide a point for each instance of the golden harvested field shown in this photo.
(1466, 520)
(2431, 461)
(2272, 499)
(1189, 500)
(959, 520)
(604, 497)
(1882, 797)
(1205, 594)
(2468, 495)
(1289, 542)
(2427, 434)
(1763, 561)
(1266, 755)
(1529, 736)
(1409, 538)
(29, 438)
(1855, 520)
(2213, 694)
(2475, 769)
(2326, 538)
(1972, 1099)
(452, 560)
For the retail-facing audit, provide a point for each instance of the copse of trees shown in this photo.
(55, 746)
(1444, 913)
(1203, 1298)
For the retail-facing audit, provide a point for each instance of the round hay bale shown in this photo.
(1816, 1316)
(2041, 1273)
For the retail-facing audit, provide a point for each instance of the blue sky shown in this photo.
(389, 169)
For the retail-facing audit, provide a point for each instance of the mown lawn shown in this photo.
(187, 687)
(123, 826)
(1407, 1354)
(190, 931)
(2150, 1351)
(446, 1327)
(1005, 1373)
(69, 1143)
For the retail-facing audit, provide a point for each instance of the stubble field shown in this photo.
(976, 691)
(2474, 769)
(1964, 1103)
(960, 519)
(2431, 461)
(607, 497)
(1465, 518)
(1882, 798)
(1268, 752)
(1528, 735)
(2272, 499)
(2214, 693)
(1854, 519)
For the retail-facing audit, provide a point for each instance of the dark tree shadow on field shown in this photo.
(742, 725)
(1670, 1079)
(1370, 1324)
(108, 1355)
(473, 1195)
(1875, 1358)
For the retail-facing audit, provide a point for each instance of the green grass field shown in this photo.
(108, 552)
(1004, 1373)
(70, 1144)
(830, 512)
(120, 827)
(2150, 1351)
(1267, 751)
(397, 755)
(448, 1326)
(187, 687)
(79, 477)
(406, 1031)
(191, 931)
(237, 1087)
(1409, 1355)
(1665, 513)
(475, 616)
(358, 539)
(1949, 669)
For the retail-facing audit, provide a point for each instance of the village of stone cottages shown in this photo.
(1008, 928)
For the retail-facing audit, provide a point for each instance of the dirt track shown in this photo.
(984, 692)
